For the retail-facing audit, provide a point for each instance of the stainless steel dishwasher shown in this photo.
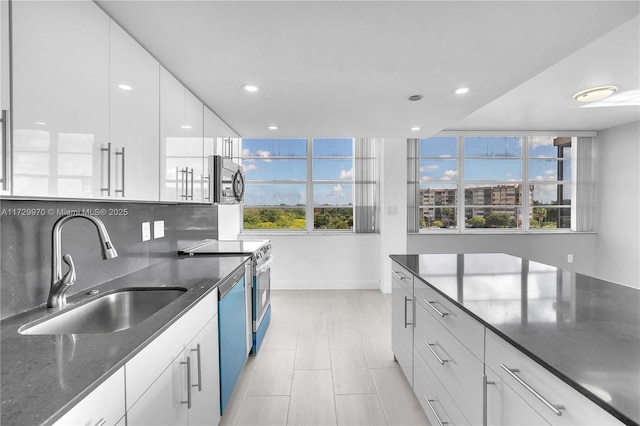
(232, 331)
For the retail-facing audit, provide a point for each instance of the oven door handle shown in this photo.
(264, 266)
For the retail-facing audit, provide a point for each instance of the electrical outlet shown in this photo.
(569, 258)
(146, 231)
(158, 229)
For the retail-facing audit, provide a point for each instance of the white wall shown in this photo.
(322, 262)
(393, 215)
(546, 248)
(618, 200)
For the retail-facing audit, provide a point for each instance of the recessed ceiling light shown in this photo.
(415, 128)
(595, 94)
(125, 87)
(272, 127)
(415, 97)
(250, 88)
(41, 123)
(185, 126)
(461, 90)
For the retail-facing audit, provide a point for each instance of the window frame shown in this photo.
(309, 183)
(525, 181)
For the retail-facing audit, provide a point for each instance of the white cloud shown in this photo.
(549, 172)
(264, 154)
(426, 179)
(449, 175)
(346, 174)
(249, 167)
(337, 190)
(538, 141)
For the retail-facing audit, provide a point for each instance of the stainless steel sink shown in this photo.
(111, 312)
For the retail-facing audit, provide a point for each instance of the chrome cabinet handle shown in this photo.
(101, 422)
(406, 299)
(440, 360)
(207, 193)
(190, 173)
(199, 384)
(433, 410)
(400, 277)
(553, 407)
(485, 382)
(4, 150)
(122, 154)
(188, 364)
(184, 183)
(108, 151)
(432, 306)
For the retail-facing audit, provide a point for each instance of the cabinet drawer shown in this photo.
(465, 328)
(402, 275)
(105, 404)
(459, 371)
(577, 408)
(505, 407)
(429, 390)
(144, 368)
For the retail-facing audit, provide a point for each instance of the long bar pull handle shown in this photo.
(4, 150)
(440, 360)
(553, 407)
(406, 299)
(188, 364)
(398, 276)
(207, 196)
(191, 173)
(432, 306)
(101, 422)
(199, 384)
(485, 398)
(108, 151)
(184, 183)
(433, 410)
(122, 154)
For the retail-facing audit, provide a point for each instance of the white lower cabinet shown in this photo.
(104, 406)
(402, 320)
(174, 380)
(554, 400)
(505, 407)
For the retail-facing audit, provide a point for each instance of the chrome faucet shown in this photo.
(60, 284)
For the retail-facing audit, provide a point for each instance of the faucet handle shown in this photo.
(70, 277)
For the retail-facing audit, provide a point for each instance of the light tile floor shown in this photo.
(326, 360)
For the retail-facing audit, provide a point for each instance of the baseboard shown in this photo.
(326, 285)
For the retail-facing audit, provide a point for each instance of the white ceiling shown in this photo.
(346, 68)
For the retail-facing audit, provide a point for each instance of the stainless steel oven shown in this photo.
(261, 258)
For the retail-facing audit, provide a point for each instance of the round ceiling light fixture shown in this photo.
(272, 127)
(250, 88)
(595, 94)
(461, 90)
(415, 128)
(415, 97)
(125, 87)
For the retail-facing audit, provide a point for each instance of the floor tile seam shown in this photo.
(384, 409)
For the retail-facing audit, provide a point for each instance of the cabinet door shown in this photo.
(505, 407)
(205, 394)
(134, 118)
(165, 402)
(5, 69)
(193, 147)
(60, 98)
(402, 328)
(104, 406)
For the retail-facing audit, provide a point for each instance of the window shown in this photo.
(305, 184)
(492, 182)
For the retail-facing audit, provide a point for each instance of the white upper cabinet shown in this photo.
(86, 101)
(181, 141)
(134, 119)
(60, 98)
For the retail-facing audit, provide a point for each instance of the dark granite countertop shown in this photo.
(584, 330)
(43, 376)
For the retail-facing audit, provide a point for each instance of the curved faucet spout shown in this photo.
(60, 284)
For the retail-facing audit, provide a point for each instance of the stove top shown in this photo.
(222, 247)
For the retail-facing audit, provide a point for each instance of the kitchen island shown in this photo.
(582, 330)
(45, 376)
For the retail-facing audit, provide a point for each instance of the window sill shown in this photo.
(277, 233)
(499, 232)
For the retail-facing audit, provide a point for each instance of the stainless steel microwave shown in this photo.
(228, 180)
